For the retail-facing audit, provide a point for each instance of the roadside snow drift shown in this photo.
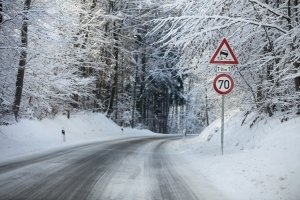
(33, 136)
(262, 162)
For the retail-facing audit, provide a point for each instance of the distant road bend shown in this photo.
(138, 168)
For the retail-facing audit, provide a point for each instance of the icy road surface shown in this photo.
(139, 168)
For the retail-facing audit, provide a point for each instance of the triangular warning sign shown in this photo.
(224, 55)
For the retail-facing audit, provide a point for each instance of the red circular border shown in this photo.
(215, 84)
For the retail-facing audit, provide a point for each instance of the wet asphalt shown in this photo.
(139, 168)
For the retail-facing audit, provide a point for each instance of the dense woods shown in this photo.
(144, 63)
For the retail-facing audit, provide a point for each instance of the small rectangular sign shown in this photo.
(224, 69)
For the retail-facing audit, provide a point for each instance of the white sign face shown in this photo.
(223, 84)
(224, 69)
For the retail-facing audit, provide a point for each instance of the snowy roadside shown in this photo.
(259, 163)
(32, 136)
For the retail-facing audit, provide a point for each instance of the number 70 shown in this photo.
(224, 83)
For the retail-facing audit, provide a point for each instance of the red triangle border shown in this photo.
(235, 60)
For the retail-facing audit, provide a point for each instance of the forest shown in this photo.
(145, 63)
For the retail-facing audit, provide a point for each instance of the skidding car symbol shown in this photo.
(223, 54)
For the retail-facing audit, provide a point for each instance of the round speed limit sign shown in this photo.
(223, 84)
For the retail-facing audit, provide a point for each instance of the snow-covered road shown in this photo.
(138, 168)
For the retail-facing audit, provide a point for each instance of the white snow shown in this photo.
(34, 136)
(259, 163)
(262, 162)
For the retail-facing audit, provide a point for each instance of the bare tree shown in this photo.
(22, 61)
(1, 10)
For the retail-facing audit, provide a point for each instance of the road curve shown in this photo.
(124, 169)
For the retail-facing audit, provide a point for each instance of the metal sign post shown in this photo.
(222, 125)
(223, 82)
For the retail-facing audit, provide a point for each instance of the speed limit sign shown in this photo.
(223, 84)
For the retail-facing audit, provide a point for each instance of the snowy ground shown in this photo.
(32, 136)
(259, 163)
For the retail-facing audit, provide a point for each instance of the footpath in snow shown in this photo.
(259, 163)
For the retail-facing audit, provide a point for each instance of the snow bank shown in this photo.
(262, 162)
(32, 136)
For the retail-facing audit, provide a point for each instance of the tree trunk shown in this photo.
(296, 64)
(296, 11)
(94, 4)
(206, 108)
(297, 81)
(116, 68)
(289, 14)
(1, 10)
(142, 91)
(134, 94)
(172, 120)
(262, 95)
(182, 119)
(165, 110)
(22, 61)
(177, 123)
(297, 86)
(122, 89)
(137, 102)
